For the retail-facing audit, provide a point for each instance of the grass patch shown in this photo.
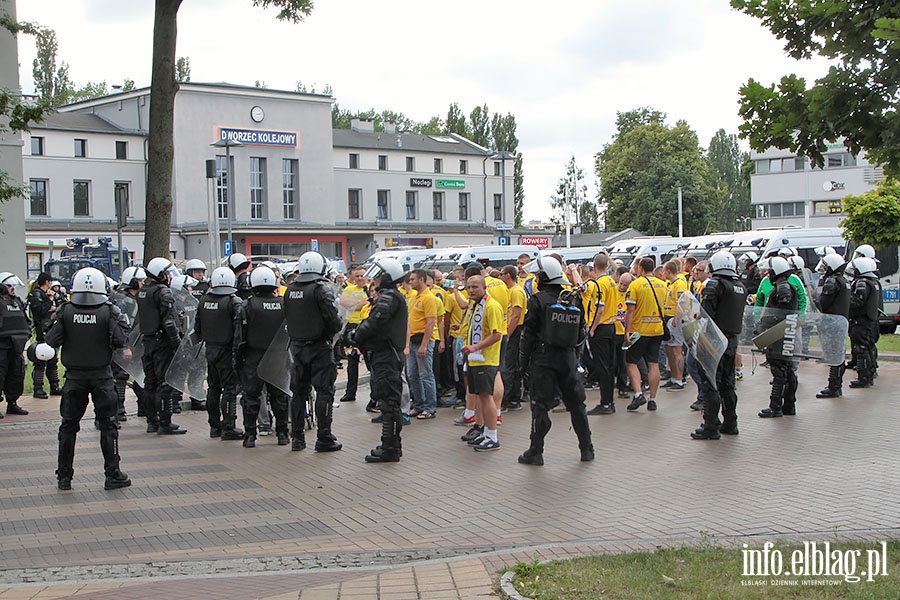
(889, 343)
(697, 572)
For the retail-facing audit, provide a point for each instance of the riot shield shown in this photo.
(806, 278)
(187, 372)
(277, 364)
(186, 306)
(132, 365)
(704, 339)
(790, 335)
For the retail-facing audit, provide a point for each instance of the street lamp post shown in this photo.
(228, 144)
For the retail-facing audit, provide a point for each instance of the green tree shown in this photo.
(503, 134)
(456, 121)
(434, 126)
(874, 216)
(570, 197)
(183, 69)
(641, 170)
(730, 186)
(480, 130)
(854, 102)
(163, 85)
(51, 82)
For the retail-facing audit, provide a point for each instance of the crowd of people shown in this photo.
(481, 339)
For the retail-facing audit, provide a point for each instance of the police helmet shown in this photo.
(797, 263)
(830, 262)
(825, 251)
(723, 263)
(786, 251)
(865, 250)
(182, 282)
(778, 266)
(311, 267)
(238, 261)
(389, 270)
(131, 278)
(10, 282)
(764, 264)
(262, 278)
(89, 287)
(158, 267)
(751, 256)
(195, 264)
(547, 269)
(39, 351)
(863, 266)
(223, 282)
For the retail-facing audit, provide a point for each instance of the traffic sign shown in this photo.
(227, 248)
(503, 240)
(315, 245)
(504, 226)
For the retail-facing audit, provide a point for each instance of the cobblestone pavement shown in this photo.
(210, 519)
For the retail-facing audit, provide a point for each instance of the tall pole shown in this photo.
(120, 222)
(568, 218)
(680, 215)
(212, 213)
(230, 190)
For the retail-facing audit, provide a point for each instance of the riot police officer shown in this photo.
(750, 276)
(124, 299)
(382, 335)
(196, 268)
(723, 298)
(15, 331)
(219, 326)
(263, 316)
(865, 293)
(42, 306)
(554, 328)
(158, 321)
(241, 267)
(88, 328)
(312, 321)
(784, 298)
(833, 298)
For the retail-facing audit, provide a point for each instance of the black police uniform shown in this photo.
(42, 306)
(783, 397)
(219, 325)
(865, 293)
(262, 318)
(125, 302)
(551, 367)
(312, 321)
(382, 335)
(723, 298)
(833, 298)
(750, 279)
(15, 331)
(244, 289)
(198, 290)
(88, 334)
(159, 325)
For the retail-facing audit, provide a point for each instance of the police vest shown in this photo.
(15, 321)
(244, 289)
(836, 286)
(264, 318)
(562, 325)
(866, 289)
(148, 308)
(86, 340)
(302, 312)
(198, 290)
(732, 298)
(392, 302)
(216, 316)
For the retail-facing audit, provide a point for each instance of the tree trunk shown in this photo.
(161, 145)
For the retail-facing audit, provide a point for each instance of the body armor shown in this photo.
(87, 341)
(724, 298)
(215, 316)
(264, 314)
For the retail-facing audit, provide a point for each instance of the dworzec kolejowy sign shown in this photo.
(259, 137)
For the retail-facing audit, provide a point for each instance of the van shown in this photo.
(496, 256)
(704, 246)
(583, 255)
(889, 274)
(444, 259)
(410, 258)
(805, 240)
(660, 249)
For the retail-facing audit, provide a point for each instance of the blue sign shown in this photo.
(503, 240)
(256, 137)
(315, 245)
(891, 294)
(227, 248)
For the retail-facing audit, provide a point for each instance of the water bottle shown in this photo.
(632, 339)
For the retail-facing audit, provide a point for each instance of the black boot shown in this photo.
(532, 457)
(249, 440)
(829, 393)
(116, 480)
(169, 429)
(380, 455)
(39, 394)
(328, 443)
(14, 409)
(703, 433)
(298, 443)
(65, 459)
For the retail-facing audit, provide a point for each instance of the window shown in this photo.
(497, 169)
(828, 207)
(354, 204)
(354, 161)
(438, 205)
(762, 166)
(382, 162)
(121, 150)
(123, 189)
(81, 194)
(775, 165)
(222, 186)
(464, 206)
(384, 201)
(800, 163)
(38, 197)
(438, 165)
(80, 148)
(780, 209)
(411, 201)
(498, 207)
(37, 146)
(289, 187)
(411, 164)
(836, 161)
(257, 188)
(463, 167)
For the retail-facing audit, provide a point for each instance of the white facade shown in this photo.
(784, 190)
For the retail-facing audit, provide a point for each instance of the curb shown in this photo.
(507, 590)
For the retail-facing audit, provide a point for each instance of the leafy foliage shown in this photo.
(731, 185)
(874, 216)
(183, 69)
(855, 101)
(571, 196)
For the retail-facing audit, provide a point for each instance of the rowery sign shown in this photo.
(540, 242)
(257, 137)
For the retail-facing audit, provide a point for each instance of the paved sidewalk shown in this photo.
(210, 519)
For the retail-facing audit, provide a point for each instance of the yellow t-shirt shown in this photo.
(516, 298)
(528, 283)
(676, 288)
(456, 313)
(608, 302)
(499, 292)
(423, 306)
(408, 294)
(356, 293)
(590, 298)
(621, 310)
(491, 321)
(441, 310)
(646, 320)
(364, 312)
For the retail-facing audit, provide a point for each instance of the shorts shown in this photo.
(480, 379)
(646, 347)
(672, 341)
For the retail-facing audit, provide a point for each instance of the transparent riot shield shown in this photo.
(187, 372)
(186, 305)
(132, 364)
(277, 364)
(704, 339)
(806, 278)
(792, 335)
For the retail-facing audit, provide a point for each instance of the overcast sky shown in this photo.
(563, 69)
